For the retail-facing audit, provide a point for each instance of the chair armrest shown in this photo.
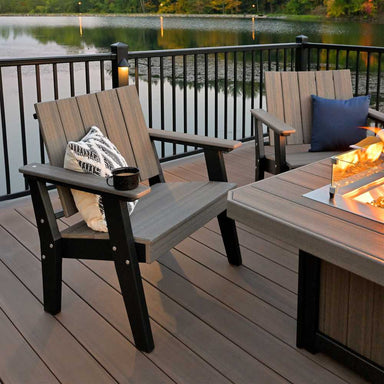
(81, 181)
(272, 122)
(376, 115)
(194, 140)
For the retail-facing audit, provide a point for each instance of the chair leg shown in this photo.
(134, 299)
(51, 263)
(259, 171)
(128, 272)
(230, 239)
(216, 172)
(50, 245)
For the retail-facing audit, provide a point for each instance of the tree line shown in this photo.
(332, 8)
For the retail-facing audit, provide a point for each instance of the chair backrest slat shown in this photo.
(325, 85)
(343, 84)
(71, 119)
(273, 87)
(292, 110)
(117, 112)
(137, 130)
(52, 131)
(289, 97)
(90, 111)
(307, 87)
(115, 124)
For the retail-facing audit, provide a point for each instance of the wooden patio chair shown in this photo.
(289, 117)
(166, 213)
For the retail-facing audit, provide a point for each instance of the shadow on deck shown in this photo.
(212, 323)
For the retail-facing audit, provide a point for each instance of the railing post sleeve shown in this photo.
(301, 53)
(121, 52)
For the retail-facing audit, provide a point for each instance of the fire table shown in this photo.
(341, 260)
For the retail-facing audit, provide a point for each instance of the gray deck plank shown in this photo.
(16, 353)
(66, 358)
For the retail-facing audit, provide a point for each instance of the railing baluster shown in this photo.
(318, 59)
(277, 59)
(5, 140)
(38, 98)
(87, 79)
(347, 59)
(309, 50)
(327, 60)
(149, 70)
(367, 77)
(22, 117)
(234, 95)
(102, 77)
(357, 73)
(226, 95)
(55, 81)
(244, 95)
(137, 75)
(196, 94)
(337, 58)
(216, 97)
(206, 104)
(71, 79)
(261, 79)
(269, 60)
(185, 109)
(162, 126)
(378, 82)
(253, 87)
(285, 59)
(173, 101)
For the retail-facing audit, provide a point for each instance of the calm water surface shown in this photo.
(37, 36)
(47, 36)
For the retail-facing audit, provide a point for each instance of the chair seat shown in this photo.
(298, 155)
(168, 214)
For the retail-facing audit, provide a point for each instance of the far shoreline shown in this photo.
(379, 19)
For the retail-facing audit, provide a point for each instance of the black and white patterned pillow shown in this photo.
(97, 155)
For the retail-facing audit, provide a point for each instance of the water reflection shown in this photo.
(145, 33)
(80, 26)
(161, 26)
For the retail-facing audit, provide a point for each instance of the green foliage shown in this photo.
(299, 7)
(334, 8)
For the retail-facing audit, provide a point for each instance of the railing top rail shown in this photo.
(203, 50)
(141, 54)
(362, 48)
(11, 62)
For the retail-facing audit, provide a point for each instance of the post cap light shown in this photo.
(123, 72)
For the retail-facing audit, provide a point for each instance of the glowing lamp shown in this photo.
(123, 72)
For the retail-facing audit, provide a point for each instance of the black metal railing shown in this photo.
(22, 128)
(205, 91)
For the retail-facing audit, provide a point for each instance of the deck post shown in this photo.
(121, 52)
(301, 53)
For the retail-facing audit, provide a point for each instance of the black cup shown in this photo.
(124, 178)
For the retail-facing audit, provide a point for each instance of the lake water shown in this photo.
(37, 36)
(32, 36)
(46, 36)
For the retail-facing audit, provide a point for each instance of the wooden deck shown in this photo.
(212, 323)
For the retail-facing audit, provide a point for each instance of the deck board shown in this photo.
(212, 323)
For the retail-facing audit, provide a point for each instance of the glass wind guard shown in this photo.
(353, 166)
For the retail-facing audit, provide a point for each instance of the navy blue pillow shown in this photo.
(335, 122)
